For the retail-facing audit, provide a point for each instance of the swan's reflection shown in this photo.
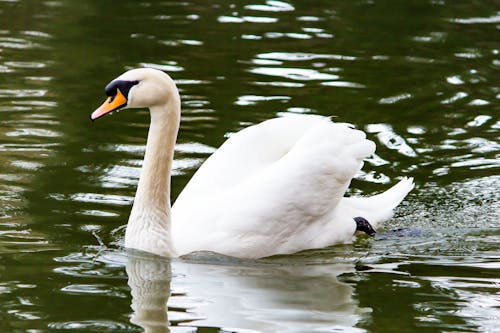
(240, 296)
(149, 281)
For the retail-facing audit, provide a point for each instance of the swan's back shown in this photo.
(246, 152)
(271, 183)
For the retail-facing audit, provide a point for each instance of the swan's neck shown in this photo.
(153, 190)
(148, 227)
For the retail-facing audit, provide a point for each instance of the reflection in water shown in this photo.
(421, 77)
(149, 282)
(240, 296)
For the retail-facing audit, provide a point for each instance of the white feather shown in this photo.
(273, 188)
(276, 187)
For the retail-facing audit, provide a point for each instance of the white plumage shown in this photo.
(272, 188)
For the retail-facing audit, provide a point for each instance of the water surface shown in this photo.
(420, 77)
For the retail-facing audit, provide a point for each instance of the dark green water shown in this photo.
(420, 77)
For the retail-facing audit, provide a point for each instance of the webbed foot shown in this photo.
(363, 225)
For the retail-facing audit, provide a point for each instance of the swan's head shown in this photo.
(138, 88)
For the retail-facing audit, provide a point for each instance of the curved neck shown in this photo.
(148, 226)
(153, 189)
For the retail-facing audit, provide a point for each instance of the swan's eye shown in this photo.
(123, 85)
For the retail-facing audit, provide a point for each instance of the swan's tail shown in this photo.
(380, 207)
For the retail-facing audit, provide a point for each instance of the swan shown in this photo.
(273, 188)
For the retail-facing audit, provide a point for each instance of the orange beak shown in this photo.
(111, 104)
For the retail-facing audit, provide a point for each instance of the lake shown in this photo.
(419, 77)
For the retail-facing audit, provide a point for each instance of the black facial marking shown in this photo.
(123, 85)
(363, 225)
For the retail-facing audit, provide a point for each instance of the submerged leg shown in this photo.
(363, 225)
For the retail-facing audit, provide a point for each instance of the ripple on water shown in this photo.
(300, 69)
(33, 132)
(477, 164)
(253, 100)
(29, 130)
(477, 20)
(469, 151)
(93, 326)
(432, 37)
(246, 19)
(25, 64)
(453, 213)
(297, 74)
(17, 43)
(477, 298)
(194, 148)
(469, 53)
(99, 198)
(119, 176)
(37, 34)
(387, 136)
(95, 289)
(181, 42)
(38, 105)
(170, 66)
(100, 213)
(177, 18)
(395, 99)
(459, 222)
(189, 156)
(297, 109)
(302, 56)
(95, 263)
(449, 252)
(27, 137)
(455, 80)
(456, 97)
(21, 93)
(479, 121)
(272, 6)
(16, 237)
(38, 148)
(280, 84)
(308, 33)
(478, 102)
(344, 84)
(309, 18)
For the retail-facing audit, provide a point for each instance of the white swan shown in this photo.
(272, 188)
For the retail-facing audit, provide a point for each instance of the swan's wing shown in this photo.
(246, 153)
(281, 191)
(302, 187)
